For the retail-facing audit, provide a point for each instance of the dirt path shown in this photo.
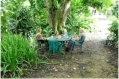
(95, 62)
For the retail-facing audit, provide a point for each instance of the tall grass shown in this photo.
(16, 55)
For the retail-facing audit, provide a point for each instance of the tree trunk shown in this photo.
(57, 14)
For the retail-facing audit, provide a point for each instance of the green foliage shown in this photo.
(76, 22)
(80, 12)
(114, 32)
(10, 15)
(115, 9)
(114, 26)
(23, 24)
(22, 19)
(47, 32)
(17, 18)
(16, 56)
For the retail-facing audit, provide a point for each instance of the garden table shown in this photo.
(56, 44)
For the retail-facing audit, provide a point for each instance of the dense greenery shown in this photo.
(115, 11)
(17, 55)
(79, 17)
(22, 18)
(114, 26)
(26, 16)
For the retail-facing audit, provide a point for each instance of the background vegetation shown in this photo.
(114, 26)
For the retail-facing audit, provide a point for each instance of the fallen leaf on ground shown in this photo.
(74, 68)
(76, 59)
(83, 67)
(91, 69)
(68, 76)
(55, 69)
(107, 60)
(66, 65)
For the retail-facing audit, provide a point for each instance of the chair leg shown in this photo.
(46, 45)
(72, 48)
(39, 45)
(80, 48)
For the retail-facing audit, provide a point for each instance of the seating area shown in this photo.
(57, 45)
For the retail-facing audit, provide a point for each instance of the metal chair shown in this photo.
(79, 45)
(41, 42)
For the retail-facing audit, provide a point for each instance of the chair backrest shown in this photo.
(41, 41)
(82, 39)
(69, 35)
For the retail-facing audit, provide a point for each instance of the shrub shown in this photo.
(16, 55)
(114, 32)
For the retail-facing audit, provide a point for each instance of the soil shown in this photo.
(96, 60)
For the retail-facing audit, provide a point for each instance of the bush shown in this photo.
(16, 56)
(114, 27)
(114, 32)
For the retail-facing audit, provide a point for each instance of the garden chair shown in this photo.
(79, 45)
(42, 42)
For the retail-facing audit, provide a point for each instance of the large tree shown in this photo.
(58, 10)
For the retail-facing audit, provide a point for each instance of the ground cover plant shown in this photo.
(17, 56)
